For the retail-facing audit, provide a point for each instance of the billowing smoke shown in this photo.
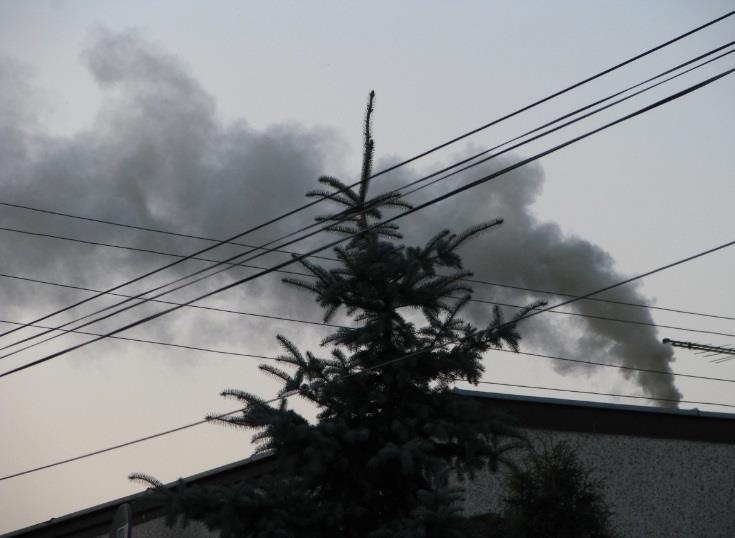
(529, 253)
(158, 156)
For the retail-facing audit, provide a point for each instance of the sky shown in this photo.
(206, 121)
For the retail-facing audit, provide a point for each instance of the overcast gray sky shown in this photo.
(208, 118)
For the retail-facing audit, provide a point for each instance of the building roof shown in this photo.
(528, 411)
(97, 519)
(610, 418)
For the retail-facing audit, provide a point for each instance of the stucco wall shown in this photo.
(656, 487)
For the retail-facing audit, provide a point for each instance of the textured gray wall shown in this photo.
(656, 487)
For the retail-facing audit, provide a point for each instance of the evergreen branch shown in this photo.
(342, 188)
(302, 284)
(148, 480)
(326, 195)
(331, 310)
(290, 347)
(472, 232)
(276, 372)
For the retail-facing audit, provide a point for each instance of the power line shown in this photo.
(201, 307)
(279, 398)
(403, 357)
(608, 318)
(617, 366)
(671, 400)
(282, 318)
(670, 70)
(405, 162)
(157, 343)
(271, 358)
(611, 301)
(265, 357)
(577, 119)
(212, 240)
(330, 325)
(419, 207)
(273, 400)
(143, 300)
(125, 247)
(142, 228)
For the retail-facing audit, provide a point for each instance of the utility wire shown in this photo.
(200, 307)
(419, 207)
(165, 344)
(128, 443)
(125, 247)
(670, 70)
(526, 353)
(393, 361)
(297, 273)
(610, 301)
(296, 320)
(607, 318)
(273, 400)
(142, 228)
(575, 120)
(616, 366)
(281, 397)
(405, 162)
(143, 300)
(321, 324)
(289, 252)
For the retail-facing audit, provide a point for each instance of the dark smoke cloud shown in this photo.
(527, 252)
(157, 155)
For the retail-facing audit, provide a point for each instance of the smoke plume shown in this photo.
(157, 155)
(529, 253)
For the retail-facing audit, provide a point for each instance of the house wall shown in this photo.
(656, 487)
(665, 472)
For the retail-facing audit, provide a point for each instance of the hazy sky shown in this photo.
(208, 118)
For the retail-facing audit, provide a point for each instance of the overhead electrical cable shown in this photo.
(125, 247)
(471, 280)
(139, 228)
(191, 425)
(616, 366)
(464, 161)
(611, 319)
(273, 400)
(560, 126)
(598, 299)
(403, 357)
(405, 162)
(158, 343)
(403, 214)
(288, 252)
(289, 319)
(227, 261)
(271, 358)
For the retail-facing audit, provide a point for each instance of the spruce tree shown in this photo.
(390, 432)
